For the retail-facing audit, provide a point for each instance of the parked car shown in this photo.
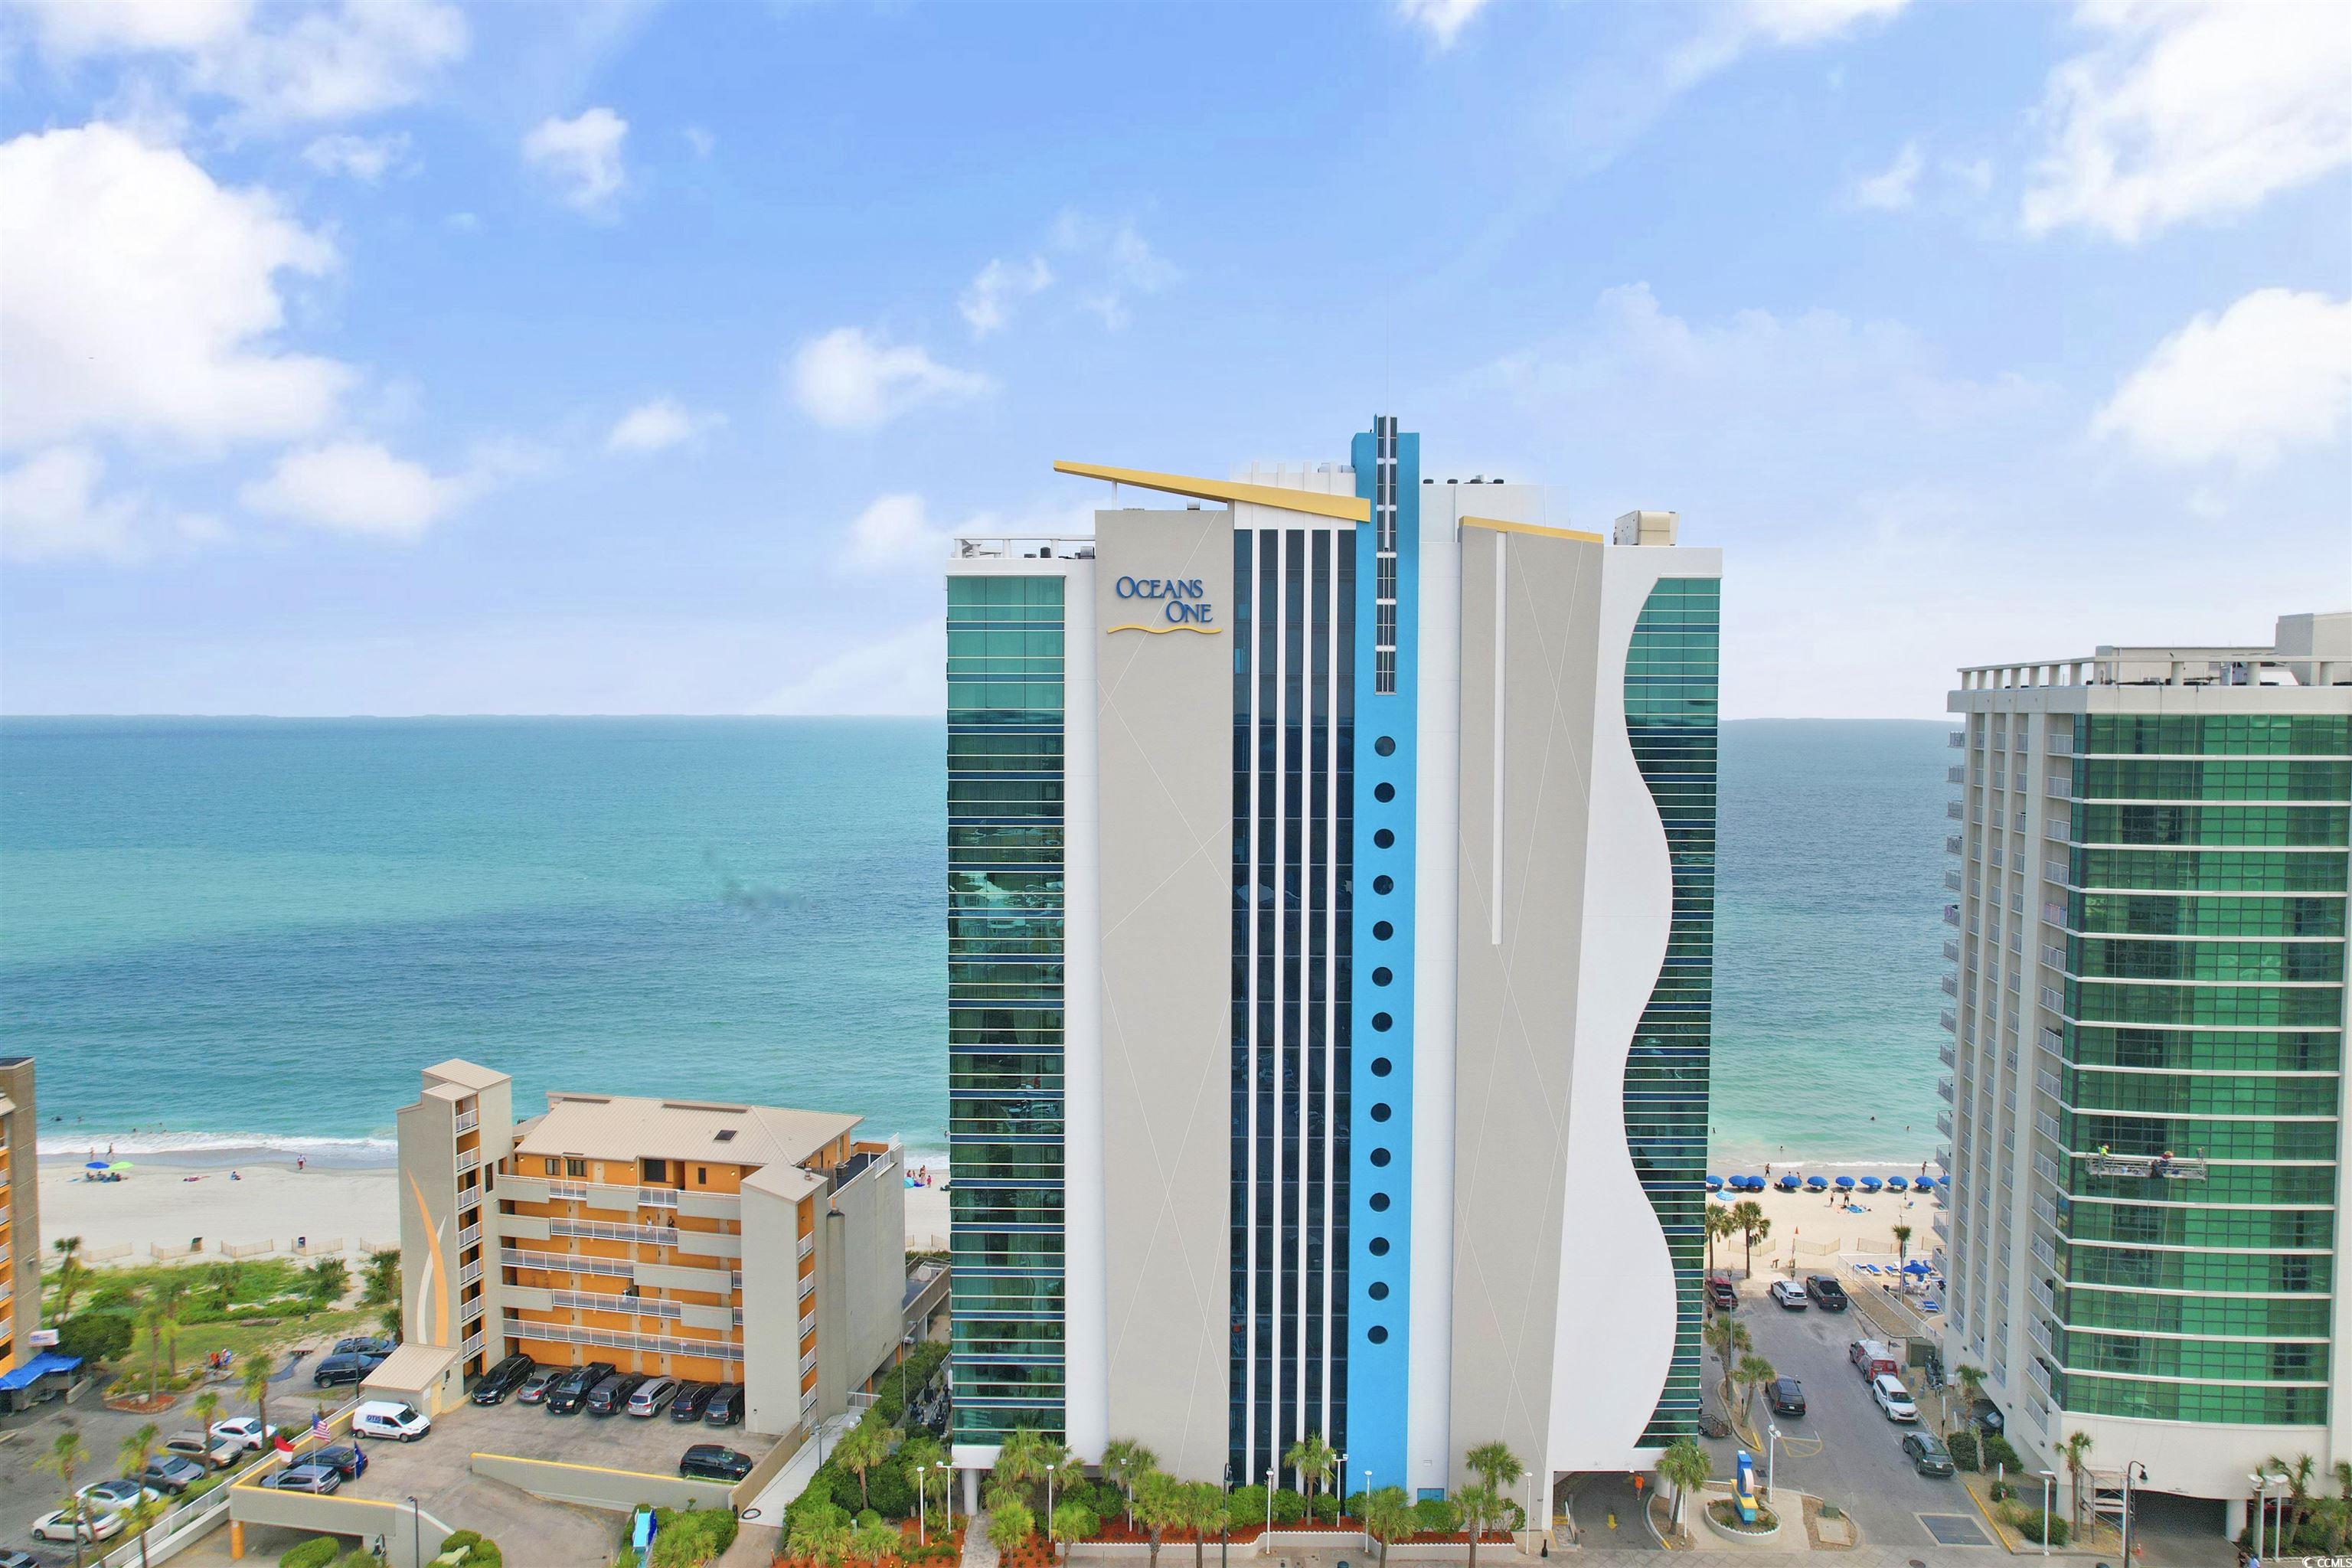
(171, 1474)
(1893, 1399)
(389, 1418)
(726, 1406)
(366, 1345)
(1870, 1358)
(242, 1430)
(691, 1400)
(63, 1526)
(1787, 1396)
(611, 1396)
(1719, 1293)
(714, 1462)
(1790, 1295)
(342, 1369)
(321, 1480)
(346, 1460)
(12, 1558)
(1926, 1455)
(1826, 1293)
(109, 1496)
(651, 1395)
(503, 1379)
(205, 1448)
(570, 1391)
(533, 1389)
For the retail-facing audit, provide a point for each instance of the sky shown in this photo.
(371, 358)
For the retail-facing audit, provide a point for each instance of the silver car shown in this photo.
(651, 1396)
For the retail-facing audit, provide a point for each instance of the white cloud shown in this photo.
(363, 158)
(581, 155)
(1118, 261)
(1896, 186)
(356, 486)
(701, 140)
(846, 380)
(905, 673)
(142, 299)
(658, 424)
(2179, 112)
(50, 510)
(2273, 371)
(987, 304)
(279, 64)
(1442, 20)
(1731, 30)
(895, 531)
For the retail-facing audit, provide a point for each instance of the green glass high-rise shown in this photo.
(2144, 1242)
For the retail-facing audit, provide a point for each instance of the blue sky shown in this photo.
(417, 358)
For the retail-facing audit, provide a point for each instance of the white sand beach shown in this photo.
(163, 1205)
(1808, 1228)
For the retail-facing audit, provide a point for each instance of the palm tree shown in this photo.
(1481, 1506)
(1205, 1511)
(1126, 1461)
(143, 1516)
(1311, 1459)
(1749, 1215)
(1159, 1504)
(1970, 1379)
(821, 1534)
(873, 1540)
(328, 1279)
(1683, 1466)
(1065, 1466)
(170, 1293)
(154, 1318)
(1755, 1372)
(1009, 1524)
(206, 1408)
(921, 1455)
(1026, 1456)
(1074, 1520)
(73, 1274)
(1497, 1465)
(136, 1447)
(2298, 1488)
(1720, 1222)
(1389, 1517)
(1902, 1233)
(2071, 1450)
(860, 1451)
(256, 1385)
(222, 1279)
(65, 1456)
(1726, 1336)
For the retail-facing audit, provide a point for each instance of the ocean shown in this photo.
(229, 934)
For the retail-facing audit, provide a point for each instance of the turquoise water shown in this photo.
(236, 931)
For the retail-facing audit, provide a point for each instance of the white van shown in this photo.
(389, 1418)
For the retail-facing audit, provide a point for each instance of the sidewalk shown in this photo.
(769, 1507)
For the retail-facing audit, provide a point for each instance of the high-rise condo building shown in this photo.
(2143, 1237)
(706, 1240)
(1330, 932)
(20, 1218)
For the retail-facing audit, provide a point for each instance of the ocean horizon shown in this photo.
(240, 939)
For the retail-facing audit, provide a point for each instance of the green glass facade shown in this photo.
(2204, 1020)
(1004, 1000)
(1671, 671)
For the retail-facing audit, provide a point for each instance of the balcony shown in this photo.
(2045, 1253)
(2055, 871)
(1941, 1226)
(1944, 1161)
(469, 1312)
(1956, 775)
(468, 1159)
(2053, 999)
(2153, 1166)
(1955, 738)
(1946, 1053)
(1943, 1122)
(1951, 914)
(2055, 956)
(2047, 1125)
(808, 1286)
(1951, 984)
(2056, 828)
(467, 1120)
(567, 1192)
(2053, 914)
(657, 1197)
(657, 1235)
(2047, 1169)
(808, 1364)
(2047, 1082)
(1948, 1020)
(1951, 951)
(2045, 1210)
(808, 1244)
(566, 1262)
(1952, 844)
(2063, 785)
(2049, 1040)
(469, 1237)
(1944, 1089)
(1952, 881)
(2000, 779)
(615, 1301)
(473, 1345)
(808, 1324)
(469, 1273)
(2039, 1291)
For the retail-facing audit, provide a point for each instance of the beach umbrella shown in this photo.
(1789, 1183)
(120, 1165)
(1898, 1183)
(1715, 1183)
(1914, 1269)
(94, 1166)
(1845, 1183)
(1815, 1184)
(1870, 1184)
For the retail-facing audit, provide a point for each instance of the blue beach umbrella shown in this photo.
(1898, 1183)
(1815, 1184)
(1845, 1183)
(93, 1166)
(1715, 1183)
(1914, 1269)
(1788, 1183)
(1871, 1183)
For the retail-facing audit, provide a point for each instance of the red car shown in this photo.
(1719, 1293)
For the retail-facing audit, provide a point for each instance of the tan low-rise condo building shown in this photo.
(20, 1227)
(703, 1239)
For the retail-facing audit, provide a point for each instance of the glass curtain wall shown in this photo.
(1004, 1001)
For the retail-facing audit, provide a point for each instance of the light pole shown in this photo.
(1225, 1520)
(2049, 1500)
(417, 1533)
(2129, 1465)
(1339, 1482)
(1771, 1454)
(1269, 1500)
(1366, 1521)
(922, 1512)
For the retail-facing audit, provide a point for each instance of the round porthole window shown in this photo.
(1385, 792)
(1381, 976)
(1378, 1335)
(1385, 746)
(1377, 1290)
(1384, 884)
(1384, 838)
(1379, 1156)
(1382, 931)
(1383, 1067)
(1380, 1111)
(1380, 1247)
(1380, 1202)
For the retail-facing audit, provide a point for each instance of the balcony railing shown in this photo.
(657, 1197)
(2039, 1291)
(2055, 828)
(2047, 1082)
(808, 1244)
(2055, 957)
(808, 1363)
(2047, 1125)
(2045, 1253)
(470, 1310)
(1943, 1122)
(1951, 951)
(468, 1120)
(1952, 809)
(2054, 914)
(1955, 738)
(609, 1339)
(1951, 984)
(1951, 881)
(473, 1345)
(566, 1262)
(2046, 1168)
(1951, 914)
(601, 1230)
(469, 1237)
(1940, 1227)
(1944, 1089)
(808, 1323)
(469, 1273)
(2053, 998)
(616, 1302)
(467, 1159)
(1946, 1053)
(1952, 844)
(1949, 1021)
(1956, 775)
(2061, 785)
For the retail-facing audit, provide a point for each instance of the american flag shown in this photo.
(319, 1427)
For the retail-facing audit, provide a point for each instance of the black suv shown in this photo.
(612, 1394)
(571, 1391)
(341, 1369)
(691, 1401)
(713, 1462)
(503, 1379)
(1826, 1293)
(1787, 1396)
(366, 1345)
(726, 1406)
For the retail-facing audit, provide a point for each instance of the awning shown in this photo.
(23, 1373)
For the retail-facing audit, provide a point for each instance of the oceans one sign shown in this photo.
(1182, 603)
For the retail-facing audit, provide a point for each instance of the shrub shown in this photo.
(1354, 1505)
(891, 1490)
(95, 1336)
(685, 1537)
(479, 1553)
(1962, 1446)
(1245, 1508)
(2000, 1491)
(1326, 1509)
(1289, 1506)
(1993, 1450)
(2031, 1522)
(1436, 1516)
(315, 1553)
